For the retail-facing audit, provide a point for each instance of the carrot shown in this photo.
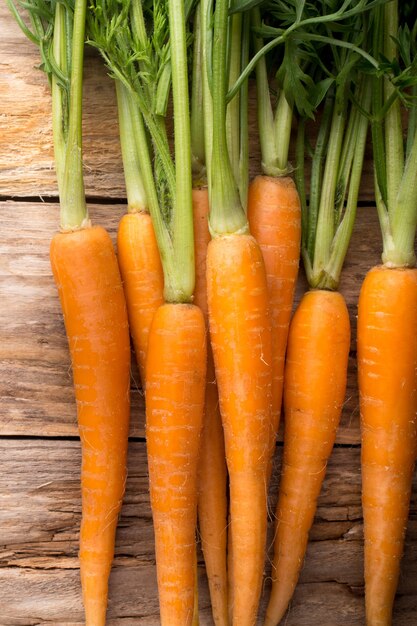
(319, 336)
(212, 471)
(86, 273)
(315, 385)
(241, 341)
(274, 217)
(176, 355)
(142, 276)
(387, 347)
(174, 407)
(387, 321)
(240, 333)
(95, 318)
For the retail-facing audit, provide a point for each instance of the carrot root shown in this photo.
(241, 341)
(90, 289)
(314, 390)
(175, 383)
(387, 362)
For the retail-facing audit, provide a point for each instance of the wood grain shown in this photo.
(39, 521)
(35, 371)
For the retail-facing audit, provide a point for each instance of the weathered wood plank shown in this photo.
(35, 374)
(26, 158)
(39, 520)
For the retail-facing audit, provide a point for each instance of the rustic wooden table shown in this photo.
(39, 445)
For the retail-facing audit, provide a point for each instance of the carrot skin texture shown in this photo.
(175, 384)
(143, 279)
(240, 332)
(387, 364)
(87, 276)
(314, 391)
(274, 214)
(212, 471)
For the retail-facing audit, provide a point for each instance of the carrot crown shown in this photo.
(147, 53)
(58, 29)
(395, 161)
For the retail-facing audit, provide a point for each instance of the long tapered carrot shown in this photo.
(97, 329)
(174, 407)
(240, 333)
(274, 215)
(319, 337)
(212, 471)
(387, 346)
(315, 385)
(143, 280)
(387, 361)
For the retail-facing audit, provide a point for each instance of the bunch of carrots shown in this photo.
(205, 276)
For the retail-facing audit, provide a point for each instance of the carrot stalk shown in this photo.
(319, 336)
(387, 348)
(240, 332)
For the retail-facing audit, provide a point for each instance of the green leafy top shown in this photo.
(57, 28)
(138, 43)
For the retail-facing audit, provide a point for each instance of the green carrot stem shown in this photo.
(197, 101)
(59, 121)
(226, 215)
(73, 213)
(243, 180)
(127, 110)
(266, 131)
(316, 175)
(233, 108)
(183, 229)
(412, 121)
(325, 221)
(299, 176)
(352, 170)
(282, 132)
(206, 46)
(394, 149)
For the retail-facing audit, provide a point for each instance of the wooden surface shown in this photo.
(39, 447)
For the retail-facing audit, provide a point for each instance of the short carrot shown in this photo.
(314, 391)
(319, 335)
(240, 333)
(86, 273)
(387, 345)
(175, 370)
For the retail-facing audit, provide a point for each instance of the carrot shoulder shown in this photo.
(175, 370)
(315, 385)
(87, 276)
(387, 362)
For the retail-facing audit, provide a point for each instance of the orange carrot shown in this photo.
(212, 473)
(240, 332)
(387, 361)
(314, 390)
(175, 380)
(87, 276)
(143, 279)
(274, 215)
